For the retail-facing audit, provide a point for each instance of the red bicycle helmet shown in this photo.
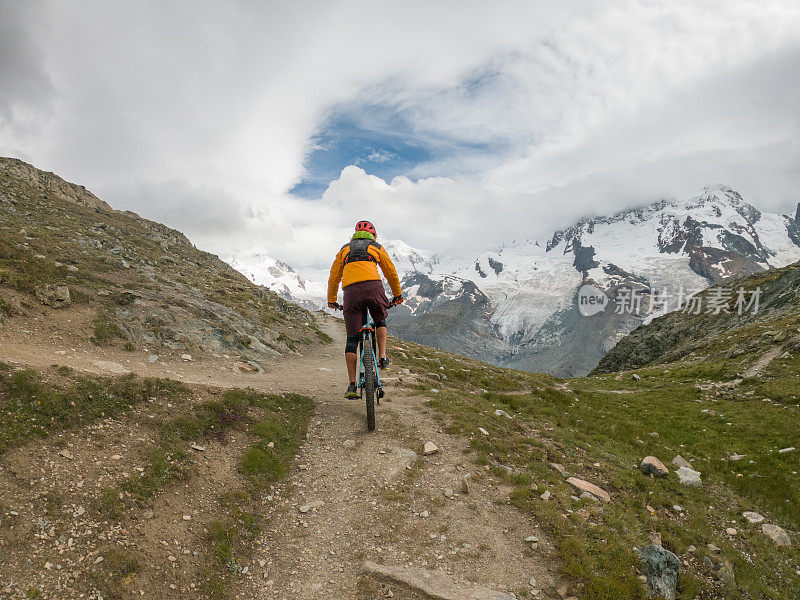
(366, 226)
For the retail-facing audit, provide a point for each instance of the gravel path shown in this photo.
(354, 496)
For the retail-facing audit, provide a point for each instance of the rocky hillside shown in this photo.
(771, 329)
(135, 283)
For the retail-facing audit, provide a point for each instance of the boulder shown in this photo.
(652, 466)
(776, 534)
(111, 367)
(432, 584)
(679, 461)
(660, 567)
(56, 296)
(689, 477)
(725, 573)
(585, 486)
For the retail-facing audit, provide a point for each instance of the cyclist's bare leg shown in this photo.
(352, 362)
(380, 336)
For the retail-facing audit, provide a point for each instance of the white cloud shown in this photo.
(201, 114)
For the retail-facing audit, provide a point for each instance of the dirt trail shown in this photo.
(377, 500)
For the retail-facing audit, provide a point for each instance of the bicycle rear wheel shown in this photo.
(370, 385)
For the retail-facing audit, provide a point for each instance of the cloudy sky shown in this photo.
(453, 125)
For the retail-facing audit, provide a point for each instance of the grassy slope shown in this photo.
(601, 435)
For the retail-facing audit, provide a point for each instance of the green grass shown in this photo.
(283, 427)
(278, 423)
(34, 404)
(580, 423)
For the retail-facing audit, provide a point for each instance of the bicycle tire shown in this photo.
(370, 385)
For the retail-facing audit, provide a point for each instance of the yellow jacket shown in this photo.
(362, 270)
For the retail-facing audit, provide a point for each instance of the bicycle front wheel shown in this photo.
(370, 385)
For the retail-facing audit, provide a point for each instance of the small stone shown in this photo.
(587, 496)
(730, 531)
(636, 377)
(152, 358)
(116, 457)
(776, 534)
(198, 447)
(66, 454)
(430, 448)
(186, 357)
(532, 539)
(532, 582)
(425, 514)
(465, 485)
(689, 477)
(652, 466)
(483, 431)
(785, 450)
(349, 444)
(448, 492)
(502, 413)
(753, 517)
(691, 549)
(546, 495)
(311, 505)
(533, 487)
(736, 457)
(709, 564)
(171, 558)
(187, 517)
(714, 548)
(679, 461)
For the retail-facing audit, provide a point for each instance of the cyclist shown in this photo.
(356, 267)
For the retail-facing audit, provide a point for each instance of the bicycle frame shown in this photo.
(368, 337)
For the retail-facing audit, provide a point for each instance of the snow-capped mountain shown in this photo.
(516, 305)
(281, 279)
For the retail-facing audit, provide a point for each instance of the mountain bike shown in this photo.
(369, 380)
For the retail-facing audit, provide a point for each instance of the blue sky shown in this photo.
(383, 141)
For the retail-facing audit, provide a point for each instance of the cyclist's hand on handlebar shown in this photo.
(397, 300)
(335, 306)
